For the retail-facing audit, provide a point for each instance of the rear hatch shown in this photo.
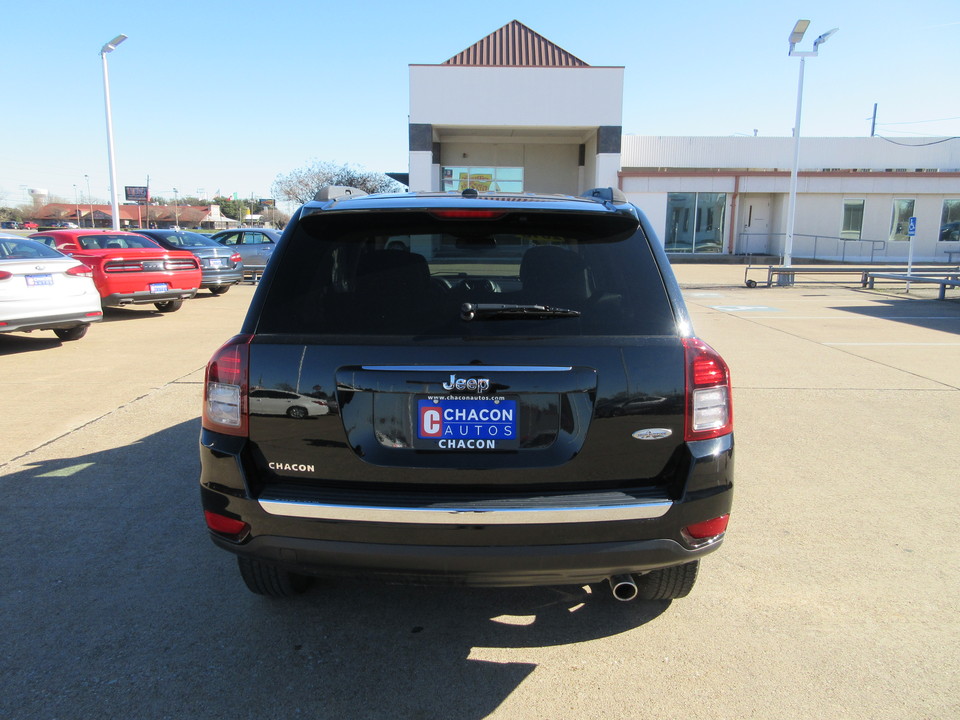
(512, 350)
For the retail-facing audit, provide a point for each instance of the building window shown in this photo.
(482, 179)
(852, 219)
(708, 211)
(900, 221)
(950, 221)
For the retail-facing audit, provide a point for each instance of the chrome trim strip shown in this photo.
(468, 368)
(454, 516)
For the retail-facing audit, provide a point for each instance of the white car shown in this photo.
(267, 401)
(43, 289)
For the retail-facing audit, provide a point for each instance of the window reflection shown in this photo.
(695, 222)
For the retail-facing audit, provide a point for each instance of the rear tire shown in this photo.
(270, 580)
(669, 583)
(74, 333)
(219, 289)
(166, 306)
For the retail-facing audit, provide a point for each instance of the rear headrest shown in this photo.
(554, 273)
(393, 271)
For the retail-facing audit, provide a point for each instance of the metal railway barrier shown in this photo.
(858, 274)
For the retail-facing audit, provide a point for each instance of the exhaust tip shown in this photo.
(623, 587)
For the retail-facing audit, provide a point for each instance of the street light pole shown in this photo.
(796, 36)
(114, 201)
(89, 200)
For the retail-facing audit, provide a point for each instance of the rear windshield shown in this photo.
(115, 242)
(514, 275)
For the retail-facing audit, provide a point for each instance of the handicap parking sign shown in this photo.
(912, 227)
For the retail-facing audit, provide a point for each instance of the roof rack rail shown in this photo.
(334, 192)
(607, 194)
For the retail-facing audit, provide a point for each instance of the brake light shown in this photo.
(80, 271)
(709, 403)
(468, 214)
(235, 258)
(4, 275)
(225, 388)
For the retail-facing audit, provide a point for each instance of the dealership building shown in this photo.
(516, 113)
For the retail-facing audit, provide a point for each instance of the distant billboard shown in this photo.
(137, 193)
(268, 202)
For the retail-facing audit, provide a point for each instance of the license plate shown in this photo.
(39, 280)
(159, 287)
(466, 424)
(216, 262)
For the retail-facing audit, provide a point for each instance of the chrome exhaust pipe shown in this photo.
(623, 587)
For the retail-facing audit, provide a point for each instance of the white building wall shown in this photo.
(525, 97)
(641, 151)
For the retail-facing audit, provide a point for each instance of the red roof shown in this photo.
(515, 45)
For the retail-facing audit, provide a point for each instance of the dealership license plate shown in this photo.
(216, 262)
(159, 287)
(466, 424)
(39, 280)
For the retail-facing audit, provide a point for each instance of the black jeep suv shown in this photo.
(514, 396)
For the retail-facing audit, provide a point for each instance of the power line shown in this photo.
(935, 142)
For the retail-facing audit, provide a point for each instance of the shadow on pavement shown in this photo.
(942, 315)
(117, 605)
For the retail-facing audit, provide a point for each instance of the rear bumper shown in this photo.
(213, 278)
(501, 566)
(51, 322)
(146, 297)
(558, 538)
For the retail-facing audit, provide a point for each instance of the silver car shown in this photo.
(255, 245)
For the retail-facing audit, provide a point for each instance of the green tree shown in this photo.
(302, 184)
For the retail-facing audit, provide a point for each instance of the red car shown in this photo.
(30, 225)
(130, 268)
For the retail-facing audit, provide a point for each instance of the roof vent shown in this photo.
(335, 192)
(470, 193)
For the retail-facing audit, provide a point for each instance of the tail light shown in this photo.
(80, 271)
(225, 388)
(235, 258)
(4, 275)
(709, 412)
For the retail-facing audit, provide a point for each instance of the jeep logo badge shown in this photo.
(652, 434)
(477, 385)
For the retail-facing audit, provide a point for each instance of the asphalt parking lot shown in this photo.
(834, 595)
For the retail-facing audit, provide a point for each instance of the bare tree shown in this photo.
(302, 184)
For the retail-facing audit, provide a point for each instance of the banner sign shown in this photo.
(137, 193)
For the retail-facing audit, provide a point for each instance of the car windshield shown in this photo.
(522, 274)
(184, 239)
(107, 241)
(23, 249)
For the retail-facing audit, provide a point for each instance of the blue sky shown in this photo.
(227, 96)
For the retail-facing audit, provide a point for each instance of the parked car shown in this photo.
(221, 266)
(255, 245)
(43, 289)
(130, 268)
(268, 401)
(66, 224)
(10, 225)
(950, 232)
(473, 346)
(29, 225)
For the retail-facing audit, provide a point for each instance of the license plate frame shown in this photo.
(39, 280)
(480, 424)
(159, 287)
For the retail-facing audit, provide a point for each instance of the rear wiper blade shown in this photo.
(482, 311)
